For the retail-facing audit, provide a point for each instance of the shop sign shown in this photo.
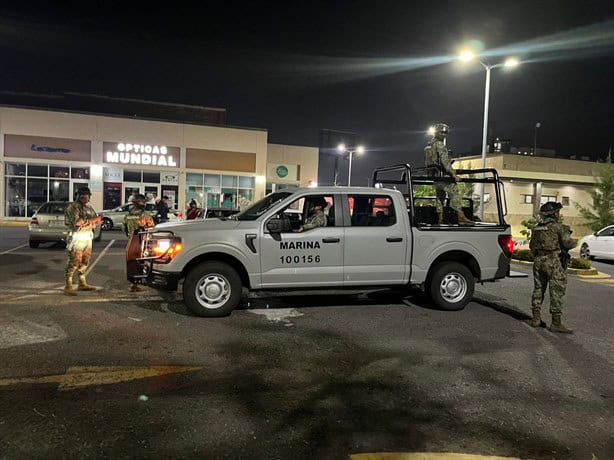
(284, 172)
(45, 148)
(113, 174)
(139, 154)
(169, 178)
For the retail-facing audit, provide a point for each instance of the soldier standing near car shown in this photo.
(548, 239)
(436, 155)
(81, 220)
(136, 219)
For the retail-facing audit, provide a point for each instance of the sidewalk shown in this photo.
(14, 223)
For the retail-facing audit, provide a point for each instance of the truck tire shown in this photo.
(212, 289)
(451, 286)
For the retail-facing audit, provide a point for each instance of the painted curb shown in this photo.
(570, 271)
(14, 223)
(426, 456)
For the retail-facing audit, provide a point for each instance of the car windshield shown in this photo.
(262, 206)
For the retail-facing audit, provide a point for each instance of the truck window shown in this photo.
(371, 211)
(301, 213)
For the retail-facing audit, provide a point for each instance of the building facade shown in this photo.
(531, 181)
(47, 155)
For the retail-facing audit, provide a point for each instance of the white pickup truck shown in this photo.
(373, 237)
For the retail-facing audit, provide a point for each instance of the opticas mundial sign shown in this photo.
(139, 154)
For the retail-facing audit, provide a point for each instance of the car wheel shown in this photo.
(212, 289)
(34, 244)
(585, 252)
(451, 286)
(107, 224)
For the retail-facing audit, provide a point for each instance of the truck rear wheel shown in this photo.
(212, 289)
(451, 286)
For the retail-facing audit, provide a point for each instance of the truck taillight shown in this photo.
(34, 221)
(507, 244)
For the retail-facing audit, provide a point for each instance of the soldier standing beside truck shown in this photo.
(137, 218)
(548, 239)
(81, 219)
(436, 155)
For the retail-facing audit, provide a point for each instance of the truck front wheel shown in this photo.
(212, 289)
(451, 286)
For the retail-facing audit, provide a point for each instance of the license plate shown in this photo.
(57, 224)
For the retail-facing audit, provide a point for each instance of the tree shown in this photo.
(601, 213)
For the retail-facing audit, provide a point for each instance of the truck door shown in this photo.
(376, 242)
(306, 254)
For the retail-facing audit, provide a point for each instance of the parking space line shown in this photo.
(14, 249)
(100, 256)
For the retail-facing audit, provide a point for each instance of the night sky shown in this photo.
(384, 70)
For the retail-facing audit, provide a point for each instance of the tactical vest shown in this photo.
(545, 238)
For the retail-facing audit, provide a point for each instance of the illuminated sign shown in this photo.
(140, 154)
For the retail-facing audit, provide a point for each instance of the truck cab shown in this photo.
(367, 237)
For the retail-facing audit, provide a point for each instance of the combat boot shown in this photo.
(558, 326)
(83, 286)
(462, 219)
(536, 321)
(68, 289)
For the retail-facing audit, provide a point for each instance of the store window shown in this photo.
(527, 199)
(151, 177)
(547, 199)
(28, 186)
(565, 201)
(80, 172)
(215, 190)
(132, 176)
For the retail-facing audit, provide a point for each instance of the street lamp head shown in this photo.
(360, 149)
(466, 55)
(511, 62)
(341, 148)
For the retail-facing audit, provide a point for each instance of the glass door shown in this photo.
(131, 188)
(152, 193)
(75, 185)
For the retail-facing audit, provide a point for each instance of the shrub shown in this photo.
(522, 254)
(582, 264)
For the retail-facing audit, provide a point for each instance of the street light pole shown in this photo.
(537, 126)
(485, 135)
(350, 169)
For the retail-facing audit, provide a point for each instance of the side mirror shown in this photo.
(594, 233)
(277, 225)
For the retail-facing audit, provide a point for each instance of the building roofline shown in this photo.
(127, 117)
(144, 101)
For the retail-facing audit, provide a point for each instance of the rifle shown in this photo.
(564, 255)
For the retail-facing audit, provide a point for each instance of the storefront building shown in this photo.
(48, 155)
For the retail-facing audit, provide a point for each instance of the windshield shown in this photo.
(262, 206)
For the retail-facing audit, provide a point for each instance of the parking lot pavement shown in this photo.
(111, 373)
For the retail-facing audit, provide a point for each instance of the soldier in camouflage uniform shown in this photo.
(317, 218)
(436, 155)
(81, 220)
(548, 238)
(137, 218)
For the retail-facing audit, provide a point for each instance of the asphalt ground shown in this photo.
(121, 375)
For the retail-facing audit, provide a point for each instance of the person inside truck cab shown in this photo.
(317, 218)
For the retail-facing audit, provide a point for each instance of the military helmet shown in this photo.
(81, 191)
(318, 201)
(139, 197)
(441, 128)
(550, 208)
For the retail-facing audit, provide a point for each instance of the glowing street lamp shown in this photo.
(466, 56)
(359, 150)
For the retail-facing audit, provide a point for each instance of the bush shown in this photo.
(522, 254)
(582, 264)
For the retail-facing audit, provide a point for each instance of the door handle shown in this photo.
(394, 239)
(330, 240)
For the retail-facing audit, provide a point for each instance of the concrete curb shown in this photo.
(592, 272)
(14, 223)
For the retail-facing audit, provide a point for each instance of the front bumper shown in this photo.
(142, 272)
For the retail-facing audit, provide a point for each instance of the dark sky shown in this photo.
(382, 69)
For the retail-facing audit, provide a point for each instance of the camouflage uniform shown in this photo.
(137, 217)
(436, 155)
(318, 219)
(547, 240)
(80, 219)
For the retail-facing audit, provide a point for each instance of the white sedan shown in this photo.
(598, 245)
